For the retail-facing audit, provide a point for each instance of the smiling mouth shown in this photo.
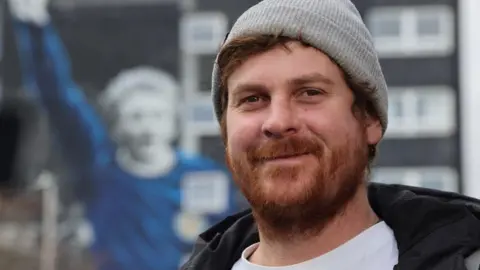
(280, 157)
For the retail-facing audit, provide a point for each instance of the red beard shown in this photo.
(299, 200)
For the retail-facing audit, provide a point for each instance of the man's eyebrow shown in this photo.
(311, 78)
(247, 88)
(315, 77)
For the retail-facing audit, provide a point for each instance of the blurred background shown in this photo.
(73, 79)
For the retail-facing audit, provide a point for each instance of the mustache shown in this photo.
(284, 148)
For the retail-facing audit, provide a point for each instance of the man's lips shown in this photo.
(279, 157)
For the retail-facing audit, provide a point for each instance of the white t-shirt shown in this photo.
(373, 249)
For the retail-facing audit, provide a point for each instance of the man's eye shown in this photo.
(251, 99)
(312, 92)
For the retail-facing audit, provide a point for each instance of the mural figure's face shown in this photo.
(145, 124)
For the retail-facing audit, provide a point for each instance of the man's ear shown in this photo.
(374, 129)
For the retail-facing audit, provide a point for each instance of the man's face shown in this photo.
(144, 122)
(295, 145)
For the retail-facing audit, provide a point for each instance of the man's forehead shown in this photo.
(295, 67)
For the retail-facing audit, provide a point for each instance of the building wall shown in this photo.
(423, 82)
(422, 143)
(470, 94)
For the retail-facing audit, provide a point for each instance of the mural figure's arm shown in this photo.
(47, 76)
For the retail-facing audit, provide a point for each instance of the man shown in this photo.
(148, 201)
(302, 104)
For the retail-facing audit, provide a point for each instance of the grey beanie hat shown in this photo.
(333, 26)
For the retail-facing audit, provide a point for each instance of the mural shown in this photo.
(142, 200)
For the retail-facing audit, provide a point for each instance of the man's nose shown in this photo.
(282, 119)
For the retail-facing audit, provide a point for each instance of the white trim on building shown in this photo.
(469, 72)
(412, 31)
(421, 111)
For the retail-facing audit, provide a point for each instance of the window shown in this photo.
(428, 25)
(96, 3)
(421, 111)
(412, 30)
(201, 115)
(205, 192)
(395, 106)
(440, 178)
(203, 32)
(386, 25)
(198, 119)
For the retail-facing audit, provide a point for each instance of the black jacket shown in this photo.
(434, 230)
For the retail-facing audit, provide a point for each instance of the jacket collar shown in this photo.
(427, 224)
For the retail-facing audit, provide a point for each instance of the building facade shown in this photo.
(469, 56)
(417, 41)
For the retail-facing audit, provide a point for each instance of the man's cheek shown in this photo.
(236, 143)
